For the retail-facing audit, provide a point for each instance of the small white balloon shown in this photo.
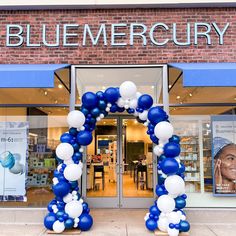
(174, 184)
(107, 109)
(121, 102)
(58, 227)
(81, 149)
(128, 90)
(74, 209)
(163, 130)
(166, 204)
(172, 232)
(158, 150)
(136, 113)
(73, 172)
(82, 128)
(163, 224)
(109, 104)
(68, 198)
(98, 118)
(101, 116)
(126, 106)
(76, 119)
(64, 151)
(174, 217)
(133, 103)
(68, 162)
(138, 94)
(143, 115)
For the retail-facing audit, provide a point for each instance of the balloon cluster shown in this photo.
(68, 210)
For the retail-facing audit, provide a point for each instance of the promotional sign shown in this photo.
(224, 154)
(13, 152)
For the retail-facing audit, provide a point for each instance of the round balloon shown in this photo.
(66, 138)
(85, 222)
(180, 203)
(111, 95)
(174, 184)
(163, 224)
(58, 227)
(154, 210)
(128, 90)
(156, 115)
(166, 204)
(76, 119)
(89, 100)
(163, 130)
(73, 172)
(173, 232)
(69, 223)
(49, 220)
(74, 209)
(145, 101)
(64, 151)
(171, 149)
(151, 224)
(184, 226)
(169, 166)
(143, 115)
(173, 218)
(95, 112)
(84, 137)
(61, 189)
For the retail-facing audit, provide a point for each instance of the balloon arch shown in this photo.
(68, 210)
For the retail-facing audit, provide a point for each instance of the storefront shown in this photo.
(90, 50)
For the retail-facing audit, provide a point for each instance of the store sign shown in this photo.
(121, 34)
(13, 150)
(224, 154)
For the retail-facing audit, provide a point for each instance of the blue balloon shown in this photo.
(85, 222)
(154, 210)
(151, 224)
(84, 138)
(171, 149)
(49, 220)
(69, 223)
(154, 139)
(156, 115)
(95, 112)
(181, 169)
(102, 104)
(73, 131)
(160, 190)
(111, 95)
(89, 100)
(121, 109)
(184, 226)
(175, 139)
(169, 166)
(59, 214)
(130, 110)
(78, 156)
(100, 94)
(85, 206)
(161, 179)
(145, 101)
(85, 111)
(180, 203)
(114, 108)
(61, 189)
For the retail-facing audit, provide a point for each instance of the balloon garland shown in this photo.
(68, 210)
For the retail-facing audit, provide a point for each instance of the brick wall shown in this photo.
(136, 54)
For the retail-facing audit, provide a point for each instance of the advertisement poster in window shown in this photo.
(13, 153)
(224, 155)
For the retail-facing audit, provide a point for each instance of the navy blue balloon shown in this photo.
(171, 149)
(154, 210)
(66, 138)
(69, 223)
(59, 214)
(95, 112)
(160, 190)
(151, 224)
(175, 139)
(102, 104)
(61, 189)
(184, 226)
(85, 111)
(180, 203)
(145, 101)
(114, 108)
(169, 166)
(76, 147)
(161, 179)
(73, 131)
(154, 139)
(49, 220)
(92, 121)
(111, 95)
(156, 115)
(85, 222)
(89, 100)
(161, 157)
(181, 169)
(121, 109)
(130, 110)
(77, 156)
(85, 206)
(84, 138)
(100, 94)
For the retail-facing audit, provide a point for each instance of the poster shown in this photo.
(224, 155)
(13, 153)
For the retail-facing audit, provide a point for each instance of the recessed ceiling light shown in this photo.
(190, 94)
(104, 122)
(45, 93)
(152, 87)
(181, 102)
(60, 86)
(235, 99)
(56, 101)
(178, 97)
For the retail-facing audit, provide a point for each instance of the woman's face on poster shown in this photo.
(228, 162)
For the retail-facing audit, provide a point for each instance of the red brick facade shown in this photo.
(137, 54)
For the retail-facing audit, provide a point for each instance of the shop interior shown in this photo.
(188, 109)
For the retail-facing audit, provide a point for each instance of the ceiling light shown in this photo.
(170, 86)
(235, 99)
(178, 97)
(45, 93)
(181, 102)
(152, 87)
(56, 101)
(104, 122)
(60, 86)
(190, 94)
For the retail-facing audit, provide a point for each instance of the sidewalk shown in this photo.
(116, 222)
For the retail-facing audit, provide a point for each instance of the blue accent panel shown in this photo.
(28, 75)
(207, 74)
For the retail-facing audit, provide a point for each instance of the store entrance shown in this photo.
(119, 165)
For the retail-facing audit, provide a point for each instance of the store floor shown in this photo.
(121, 222)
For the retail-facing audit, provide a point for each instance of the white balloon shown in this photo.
(58, 227)
(133, 103)
(138, 94)
(163, 224)
(64, 151)
(74, 209)
(157, 150)
(166, 204)
(73, 172)
(174, 217)
(173, 232)
(76, 119)
(174, 184)
(128, 90)
(163, 130)
(68, 198)
(121, 102)
(143, 115)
